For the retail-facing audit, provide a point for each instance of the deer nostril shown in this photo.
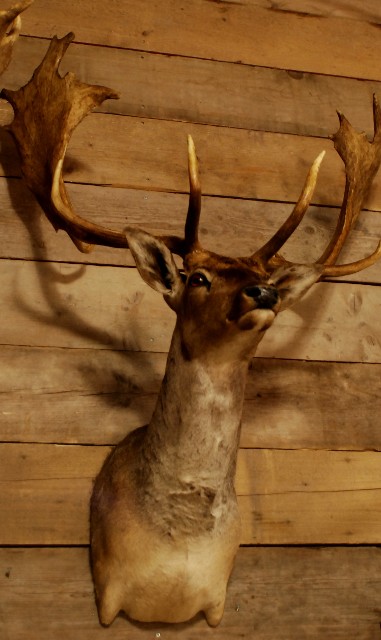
(253, 292)
(265, 297)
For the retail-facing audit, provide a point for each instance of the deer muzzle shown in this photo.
(264, 297)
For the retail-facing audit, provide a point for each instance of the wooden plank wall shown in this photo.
(83, 341)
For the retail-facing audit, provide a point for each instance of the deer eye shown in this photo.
(198, 280)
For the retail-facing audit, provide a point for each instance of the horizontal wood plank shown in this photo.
(327, 518)
(285, 497)
(129, 152)
(228, 226)
(221, 31)
(178, 88)
(64, 305)
(97, 396)
(287, 593)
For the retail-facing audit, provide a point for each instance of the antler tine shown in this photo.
(270, 249)
(361, 160)
(194, 208)
(190, 242)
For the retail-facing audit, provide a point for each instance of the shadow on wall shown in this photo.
(109, 375)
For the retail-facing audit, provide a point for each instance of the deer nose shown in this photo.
(264, 297)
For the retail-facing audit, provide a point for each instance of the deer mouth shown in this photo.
(255, 302)
(258, 319)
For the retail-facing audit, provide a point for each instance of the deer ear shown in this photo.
(294, 281)
(155, 263)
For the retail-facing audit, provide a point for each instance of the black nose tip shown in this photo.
(265, 297)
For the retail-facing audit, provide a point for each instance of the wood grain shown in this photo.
(285, 497)
(206, 91)
(284, 593)
(96, 396)
(221, 31)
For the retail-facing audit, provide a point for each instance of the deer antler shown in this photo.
(48, 109)
(361, 160)
(10, 25)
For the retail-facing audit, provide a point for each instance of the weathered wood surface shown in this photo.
(228, 226)
(206, 91)
(293, 594)
(221, 31)
(67, 305)
(151, 155)
(96, 396)
(285, 497)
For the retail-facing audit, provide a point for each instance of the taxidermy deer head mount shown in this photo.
(164, 521)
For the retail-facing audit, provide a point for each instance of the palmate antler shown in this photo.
(361, 160)
(10, 25)
(48, 109)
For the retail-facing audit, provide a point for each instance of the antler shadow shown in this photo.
(50, 279)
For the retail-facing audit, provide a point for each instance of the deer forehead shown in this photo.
(230, 270)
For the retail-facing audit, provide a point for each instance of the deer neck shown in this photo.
(194, 433)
